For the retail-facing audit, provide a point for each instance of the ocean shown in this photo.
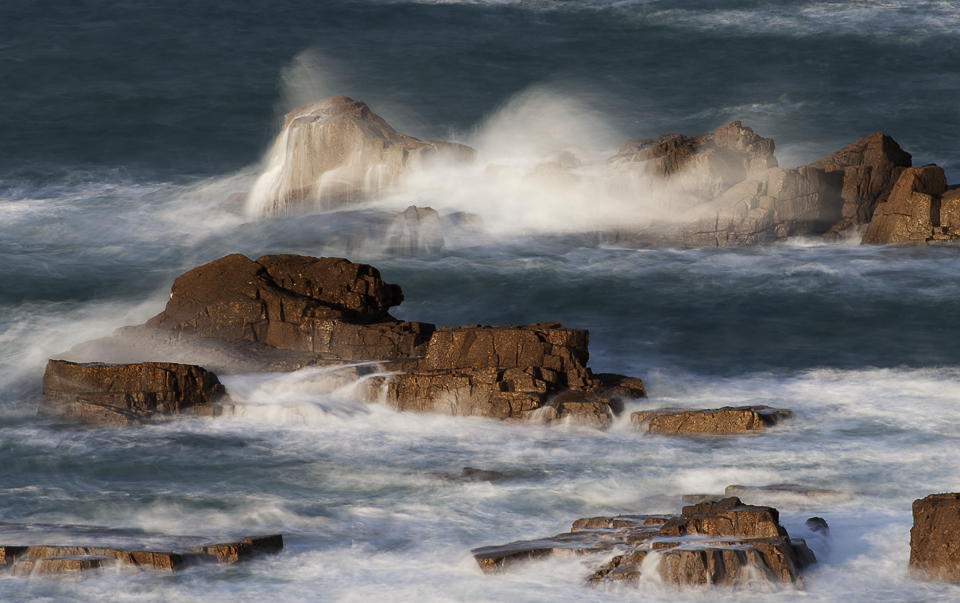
(124, 125)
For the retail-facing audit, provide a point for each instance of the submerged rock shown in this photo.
(760, 494)
(416, 231)
(712, 543)
(126, 393)
(719, 421)
(935, 538)
(337, 151)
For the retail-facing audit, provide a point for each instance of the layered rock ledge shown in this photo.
(115, 547)
(720, 421)
(712, 543)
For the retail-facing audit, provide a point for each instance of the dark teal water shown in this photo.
(123, 125)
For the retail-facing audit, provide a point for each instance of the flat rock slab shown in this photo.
(122, 394)
(40, 549)
(729, 420)
(711, 543)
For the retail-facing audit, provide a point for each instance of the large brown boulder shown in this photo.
(750, 545)
(935, 537)
(868, 168)
(126, 393)
(325, 306)
(913, 213)
(337, 151)
(508, 372)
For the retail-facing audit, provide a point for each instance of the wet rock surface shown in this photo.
(720, 421)
(712, 543)
(919, 209)
(126, 393)
(935, 538)
(46, 549)
(791, 492)
(287, 312)
(336, 152)
(725, 188)
(510, 372)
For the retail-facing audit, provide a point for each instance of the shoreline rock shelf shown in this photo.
(712, 543)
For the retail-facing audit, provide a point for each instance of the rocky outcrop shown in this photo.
(867, 170)
(165, 554)
(720, 421)
(126, 393)
(749, 545)
(286, 312)
(792, 492)
(329, 307)
(725, 189)
(920, 209)
(510, 372)
(337, 151)
(935, 538)
(679, 172)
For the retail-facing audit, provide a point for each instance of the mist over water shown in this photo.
(123, 128)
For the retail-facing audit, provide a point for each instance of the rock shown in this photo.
(792, 492)
(868, 169)
(750, 545)
(935, 538)
(912, 212)
(418, 230)
(721, 421)
(58, 559)
(818, 525)
(326, 306)
(509, 372)
(126, 393)
(680, 172)
(725, 189)
(286, 312)
(337, 151)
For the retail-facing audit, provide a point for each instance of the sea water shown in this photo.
(123, 126)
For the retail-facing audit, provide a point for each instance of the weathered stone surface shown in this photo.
(326, 306)
(680, 172)
(337, 151)
(126, 393)
(935, 538)
(720, 421)
(508, 372)
(725, 189)
(750, 546)
(868, 169)
(173, 554)
(912, 212)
